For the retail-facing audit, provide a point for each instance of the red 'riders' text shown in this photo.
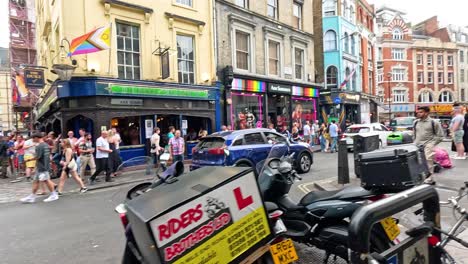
(192, 239)
(173, 226)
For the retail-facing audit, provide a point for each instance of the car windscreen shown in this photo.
(211, 142)
(402, 121)
(357, 130)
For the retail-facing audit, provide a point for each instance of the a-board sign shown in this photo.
(224, 221)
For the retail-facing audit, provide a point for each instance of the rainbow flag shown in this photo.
(94, 41)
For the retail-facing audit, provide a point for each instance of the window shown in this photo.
(185, 2)
(329, 8)
(398, 54)
(273, 57)
(348, 83)
(440, 77)
(353, 84)
(186, 59)
(353, 45)
(352, 14)
(420, 77)
(128, 51)
(399, 96)
(430, 77)
(243, 3)
(462, 94)
(275, 138)
(397, 34)
(419, 59)
(425, 97)
(299, 63)
(398, 74)
(346, 42)
(297, 15)
(242, 50)
(429, 59)
(330, 40)
(462, 75)
(440, 60)
(380, 77)
(462, 56)
(450, 60)
(371, 82)
(380, 54)
(332, 76)
(370, 54)
(129, 129)
(450, 77)
(272, 8)
(445, 97)
(254, 139)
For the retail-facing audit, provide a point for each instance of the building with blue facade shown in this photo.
(341, 96)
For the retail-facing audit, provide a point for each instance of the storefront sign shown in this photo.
(34, 78)
(165, 69)
(248, 85)
(214, 228)
(157, 91)
(440, 108)
(123, 101)
(305, 91)
(350, 98)
(279, 88)
(403, 108)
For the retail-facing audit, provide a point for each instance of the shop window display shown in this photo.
(279, 110)
(129, 129)
(303, 110)
(246, 111)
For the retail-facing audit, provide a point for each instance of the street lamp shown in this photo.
(389, 75)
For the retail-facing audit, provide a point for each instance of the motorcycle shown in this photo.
(321, 218)
(132, 254)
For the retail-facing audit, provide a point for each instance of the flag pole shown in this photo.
(110, 49)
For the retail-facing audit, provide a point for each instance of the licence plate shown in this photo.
(391, 228)
(284, 252)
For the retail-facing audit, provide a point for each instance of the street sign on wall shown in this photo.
(34, 78)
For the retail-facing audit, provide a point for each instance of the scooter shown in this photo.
(320, 218)
(132, 254)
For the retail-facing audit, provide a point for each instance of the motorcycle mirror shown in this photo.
(174, 170)
(285, 167)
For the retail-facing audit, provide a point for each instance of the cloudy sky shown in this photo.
(449, 12)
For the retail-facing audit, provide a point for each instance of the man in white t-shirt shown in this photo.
(102, 158)
(306, 130)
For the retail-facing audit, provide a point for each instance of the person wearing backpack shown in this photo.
(429, 133)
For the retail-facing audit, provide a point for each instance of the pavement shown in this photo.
(83, 228)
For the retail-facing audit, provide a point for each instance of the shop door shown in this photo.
(279, 111)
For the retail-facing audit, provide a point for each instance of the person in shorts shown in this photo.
(457, 132)
(42, 171)
(29, 153)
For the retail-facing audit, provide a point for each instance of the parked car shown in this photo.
(402, 123)
(366, 129)
(246, 148)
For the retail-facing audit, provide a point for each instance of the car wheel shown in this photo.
(304, 163)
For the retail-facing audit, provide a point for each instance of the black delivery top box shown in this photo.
(210, 215)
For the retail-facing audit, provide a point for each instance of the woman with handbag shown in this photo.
(69, 168)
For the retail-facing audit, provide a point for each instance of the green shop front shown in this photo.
(134, 108)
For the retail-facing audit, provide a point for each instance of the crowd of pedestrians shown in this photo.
(42, 157)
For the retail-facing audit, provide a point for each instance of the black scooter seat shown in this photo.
(348, 193)
(270, 207)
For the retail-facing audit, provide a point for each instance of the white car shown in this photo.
(366, 130)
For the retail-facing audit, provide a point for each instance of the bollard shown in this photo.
(343, 166)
